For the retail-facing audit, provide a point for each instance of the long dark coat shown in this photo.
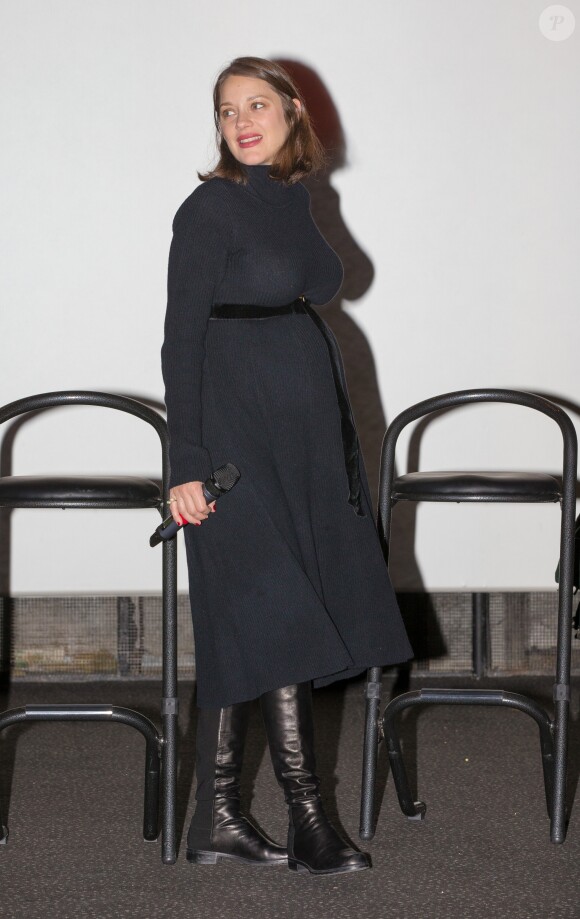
(287, 582)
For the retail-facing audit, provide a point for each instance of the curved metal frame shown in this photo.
(162, 743)
(415, 810)
(554, 733)
(106, 713)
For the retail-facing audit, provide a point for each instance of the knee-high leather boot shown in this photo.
(313, 843)
(218, 828)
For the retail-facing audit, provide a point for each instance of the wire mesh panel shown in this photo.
(80, 637)
(524, 629)
(58, 636)
(521, 632)
(83, 636)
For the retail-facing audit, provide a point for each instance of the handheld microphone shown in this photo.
(219, 483)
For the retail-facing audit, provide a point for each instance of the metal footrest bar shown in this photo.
(105, 713)
(416, 809)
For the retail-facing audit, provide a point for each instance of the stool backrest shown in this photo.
(467, 396)
(102, 399)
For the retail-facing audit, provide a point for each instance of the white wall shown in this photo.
(461, 185)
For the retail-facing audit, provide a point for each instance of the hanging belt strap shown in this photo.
(350, 442)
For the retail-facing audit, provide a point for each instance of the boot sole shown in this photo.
(302, 867)
(200, 857)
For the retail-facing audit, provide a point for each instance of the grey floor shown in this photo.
(71, 794)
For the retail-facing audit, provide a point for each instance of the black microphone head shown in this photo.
(225, 477)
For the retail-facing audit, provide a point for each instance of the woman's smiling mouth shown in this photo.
(249, 140)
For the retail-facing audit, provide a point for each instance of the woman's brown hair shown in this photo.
(301, 153)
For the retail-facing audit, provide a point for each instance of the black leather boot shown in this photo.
(313, 843)
(218, 828)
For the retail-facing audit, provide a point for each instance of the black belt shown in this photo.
(349, 436)
(240, 311)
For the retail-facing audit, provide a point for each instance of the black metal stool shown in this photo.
(510, 487)
(102, 492)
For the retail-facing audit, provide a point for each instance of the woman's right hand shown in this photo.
(190, 503)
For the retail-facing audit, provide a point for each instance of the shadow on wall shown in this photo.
(359, 272)
(358, 269)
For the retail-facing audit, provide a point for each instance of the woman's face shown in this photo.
(252, 120)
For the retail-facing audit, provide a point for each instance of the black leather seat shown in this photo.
(479, 486)
(78, 491)
(513, 487)
(110, 492)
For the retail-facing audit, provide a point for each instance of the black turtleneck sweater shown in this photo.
(252, 244)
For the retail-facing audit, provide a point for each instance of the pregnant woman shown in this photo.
(288, 585)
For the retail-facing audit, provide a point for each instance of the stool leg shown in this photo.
(370, 753)
(480, 609)
(170, 703)
(414, 810)
(151, 795)
(169, 853)
(559, 815)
